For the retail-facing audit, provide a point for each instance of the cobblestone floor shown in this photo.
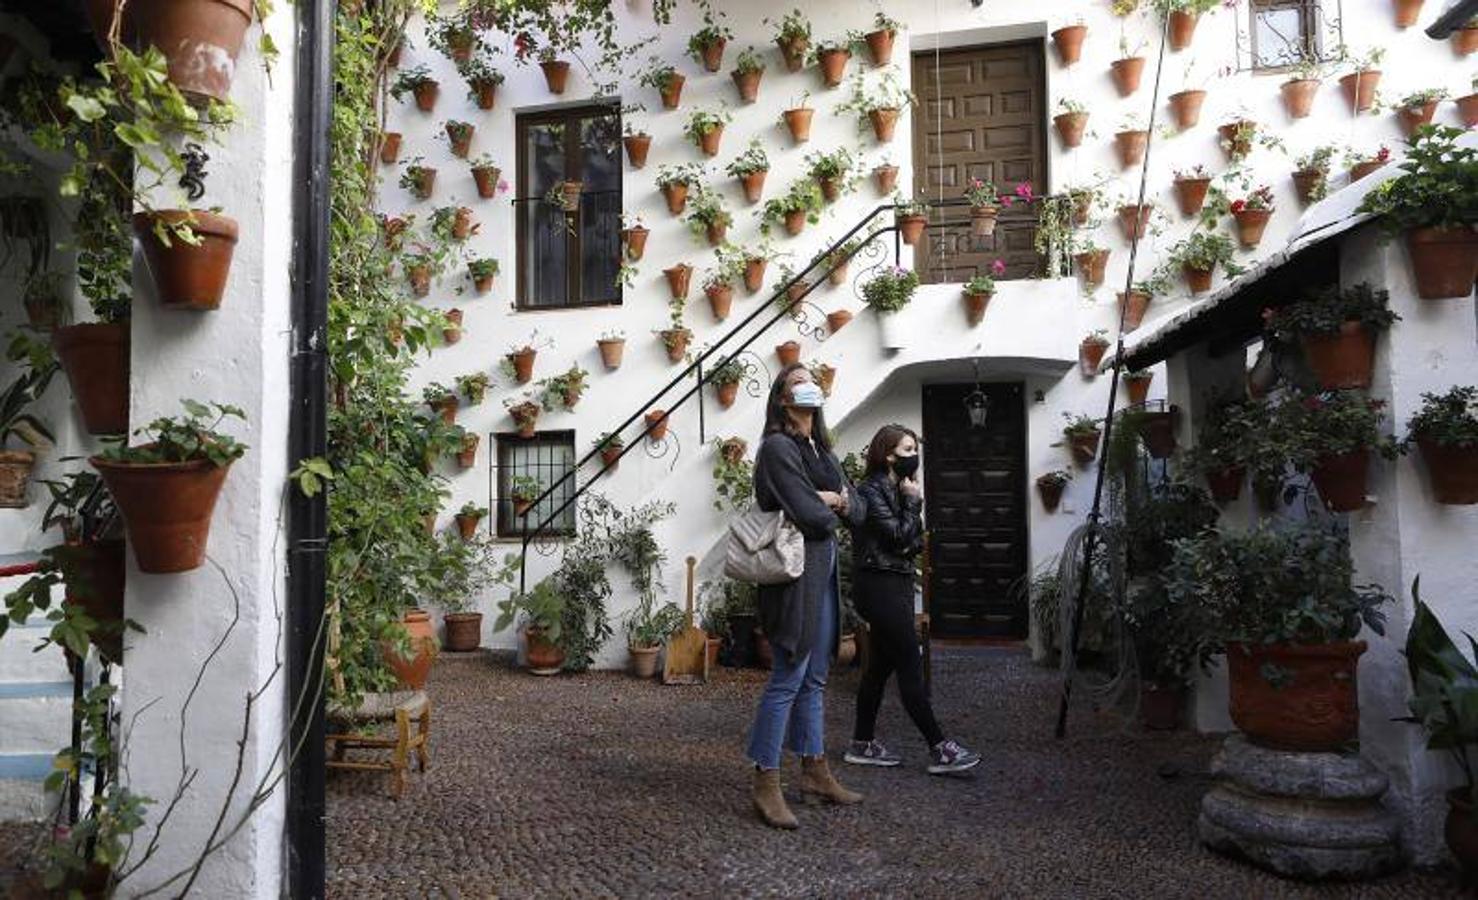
(601, 785)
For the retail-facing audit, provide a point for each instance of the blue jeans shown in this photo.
(791, 712)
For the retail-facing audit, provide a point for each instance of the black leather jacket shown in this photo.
(893, 532)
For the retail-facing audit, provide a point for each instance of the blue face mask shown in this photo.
(807, 395)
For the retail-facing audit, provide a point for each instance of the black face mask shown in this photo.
(906, 466)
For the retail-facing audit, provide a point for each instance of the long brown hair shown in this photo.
(776, 421)
(883, 443)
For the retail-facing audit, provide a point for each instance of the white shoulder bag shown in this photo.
(764, 548)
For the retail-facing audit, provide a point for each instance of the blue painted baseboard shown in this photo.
(25, 690)
(25, 766)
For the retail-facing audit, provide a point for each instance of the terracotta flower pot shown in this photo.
(453, 332)
(1452, 470)
(911, 227)
(1360, 169)
(188, 276)
(795, 222)
(1190, 194)
(419, 276)
(556, 74)
(676, 341)
(1084, 447)
(612, 350)
(423, 184)
(542, 657)
(1182, 28)
(390, 147)
(1092, 265)
(794, 52)
(100, 567)
(166, 509)
(1134, 308)
(636, 241)
(1236, 138)
(1407, 12)
(1298, 96)
(460, 139)
(1343, 359)
(754, 185)
(644, 661)
(1465, 40)
(1359, 88)
(1131, 146)
(1314, 706)
(678, 278)
(838, 276)
(983, 220)
(880, 46)
(799, 123)
(748, 84)
(796, 292)
(467, 525)
(95, 357)
(709, 141)
(1069, 43)
(1250, 225)
(886, 177)
(487, 94)
(1126, 74)
(1051, 493)
(1413, 117)
(1341, 479)
(713, 55)
(831, 189)
(676, 195)
(413, 671)
(1226, 484)
(1134, 220)
(720, 300)
(1082, 206)
(637, 146)
(833, 66)
(486, 179)
(523, 364)
(727, 393)
(1197, 280)
(754, 274)
(975, 304)
(657, 423)
(1157, 430)
(463, 631)
(1185, 106)
(447, 408)
(199, 38)
(461, 224)
(1308, 182)
(884, 121)
(525, 417)
(467, 456)
(672, 93)
(610, 457)
(426, 94)
(789, 353)
(1139, 389)
(15, 477)
(1070, 127)
(1090, 354)
(715, 232)
(1467, 109)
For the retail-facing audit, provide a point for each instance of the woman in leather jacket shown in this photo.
(883, 550)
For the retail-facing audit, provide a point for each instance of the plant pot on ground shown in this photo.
(463, 631)
(412, 663)
(166, 488)
(1445, 431)
(541, 611)
(189, 255)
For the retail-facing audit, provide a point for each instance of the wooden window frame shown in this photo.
(505, 524)
(566, 115)
(1310, 15)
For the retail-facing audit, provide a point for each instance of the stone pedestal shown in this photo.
(1302, 815)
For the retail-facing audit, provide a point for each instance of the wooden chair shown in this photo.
(353, 729)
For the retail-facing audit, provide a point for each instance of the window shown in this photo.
(569, 258)
(1283, 32)
(523, 463)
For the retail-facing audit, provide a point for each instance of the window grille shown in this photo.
(545, 457)
(1277, 34)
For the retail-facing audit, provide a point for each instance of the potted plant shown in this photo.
(637, 143)
(468, 518)
(610, 446)
(1090, 352)
(831, 171)
(1283, 603)
(451, 330)
(676, 336)
(984, 202)
(188, 252)
(1069, 42)
(666, 80)
(1302, 86)
(1131, 140)
(885, 177)
(96, 355)
(1091, 261)
(482, 81)
(482, 271)
(17, 422)
(707, 216)
(678, 279)
(186, 31)
(612, 346)
(1417, 108)
(442, 400)
(675, 181)
(647, 629)
(474, 386)
(418, 179)
(912, 217)
(797, 119)
(880, 38)
(563, 391)
(1183, 16)
(832, 55)
(879, 105)
(1445, 430)
(1336, 330)
(1311, 174)
(1128, 68)
(1185, 106)
(888, 293)
(1081, 434)
(1200, 255)
(726, 378)
(1251, 214)
(750, 167)
(749, 68)
(1137, 382)
(525, 414)
(706, 46)
(1050, 487)
(1071, 123)
(1236, 138)
(793, 37)
(523, 490)
(978, 291)
(540, 611)
(1359, 85)
(1134, 219)
(755, 263)
(453, 37)
(166, 487)
(705, 129)
(1362, 165)
(556, 71)
(718, 286)
(788, 353)
(799, 205)
(1331, 437)
(1432, 203)
(459, 135)
(1190, 189)
(657, 422)
(518, 362)
(634, 235)
(837, 261)
(1134, 304)
(418, 82)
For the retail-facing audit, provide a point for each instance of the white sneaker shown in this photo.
(871, 753)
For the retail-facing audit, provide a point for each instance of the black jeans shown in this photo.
(885, 600)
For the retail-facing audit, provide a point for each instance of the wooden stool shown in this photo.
(399, 707)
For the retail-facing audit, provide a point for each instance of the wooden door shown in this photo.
(975, 506)
(983, 116)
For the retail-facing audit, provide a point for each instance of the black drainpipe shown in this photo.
(307, 438)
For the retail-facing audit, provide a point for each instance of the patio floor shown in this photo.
(603, 785)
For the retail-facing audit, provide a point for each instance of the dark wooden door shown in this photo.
(975, 510)
(983, 116)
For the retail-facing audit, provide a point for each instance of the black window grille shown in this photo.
(1279, 34)
(527, 467)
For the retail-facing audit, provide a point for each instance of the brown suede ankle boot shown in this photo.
(817, 781)
(769, 802)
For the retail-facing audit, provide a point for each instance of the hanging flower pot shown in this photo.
(199, 39)
(1341, 479)
(795, 222)
(672, 90)
(1467, 109)
(754, 185)
(833, 65)
(1226, 484)
(884, 121)
(188, 276)
(1084, 446)
(1359, 88)
(1134, 220)
(831, 188)
(637, 147)
(166, 508)
(1182, 28)
(95, 357)
(460, 135)
(1250, 225)
(1413, 117)
(15, 477)
(838, 319)
(727, 393)
(975, 304)
(467, 458)
(1186, 108)
(983, 220)
(715, 232)
(1133, 309)
(793, 49)
(523, 364)
(676, 340)
(1139, 387)
(678, 278)
(720, 300)
(461, 223)
(1092, 265)
(390, 147)
(886, 177)
(789, 353)
(657, 423)
(708, 142)
(1312, 706)
(1309, 182)
(1069, 43)
(1157, 430)
(1127, 73)
(825, 379)
(635, 238)
(1361, 169)
(423, 181)
(426, 94)
(556, 74)
(880, 45)
(446, 407)
(419, 276)
(611, 352)
(1090, 355)
(610, 455)
(891, 331)
(486, 92)
(748, 84)
(1236, 138)
(676, 194)
(1452, 470)
(838, 275)
(453, 332)
(413, 671)
(1082, 205)
(1190, 194)
(1444, 261)
(713, 54)
(1197, 280)
(1070, 127)
(1407, 12)
(799, 123)
(97, 572)
(1050, 488)
(525, 416)
(1298, 96)
(1465, 40)
(795, 293)
(911, 227)
(1343, 359)
(754, 273)
(486, 179)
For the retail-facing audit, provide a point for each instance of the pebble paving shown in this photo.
(604, 786)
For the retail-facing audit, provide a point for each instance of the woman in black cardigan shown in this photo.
(883, 551)
(796, 471)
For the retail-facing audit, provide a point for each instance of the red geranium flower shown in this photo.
(1238, 205)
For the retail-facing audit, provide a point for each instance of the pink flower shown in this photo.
(1006, 200)
(1024, 191)
(1384, 154)
(502, 185)
(998, 267)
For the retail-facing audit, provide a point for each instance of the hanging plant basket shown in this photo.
(1452, 470)
(1182, 28)
(1133, 307)
(612, 351)
(200, 40)
(1407, 12)
(460, 137)
(447, 408)
(1359, 89)
(1186, 108)
(891, 331)
(798, 121)
(467, 458)
(419, 277)
(637, 146)
(95, 357)
(188, 276)
(486, 179)
(487, 94)
(635, 239)
(1360, 169)
(678, 279)
(657, 423)
(1343, 359)
(1092, 265)
(1341, 479)
(833, 66)
(1127, 73)
(1069, 43)
(166, 509)
(523, 364)
(1298, 96)
(672, 91)
(1190, 194)
(911, 227)
(1313, 706)
(556, 74)
(426, 94)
